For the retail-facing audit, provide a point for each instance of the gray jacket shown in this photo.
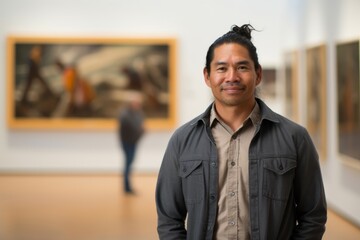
(287, 199)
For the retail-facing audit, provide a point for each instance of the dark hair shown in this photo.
(240, 35)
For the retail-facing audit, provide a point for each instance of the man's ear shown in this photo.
(206, 76)
(258, 75)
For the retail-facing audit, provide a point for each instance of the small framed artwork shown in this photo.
(316, 97)
(83, 83)
(291, 85)
(268, 84)
(348, 104)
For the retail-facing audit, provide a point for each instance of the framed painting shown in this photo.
(291, 85)
(83, 83)
(316, 97)
(268, 84)
(348, 101)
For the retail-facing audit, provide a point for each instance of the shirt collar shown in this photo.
(254, 116)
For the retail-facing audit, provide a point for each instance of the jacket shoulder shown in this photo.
(188, 127)
(290, 124)
(278, 119)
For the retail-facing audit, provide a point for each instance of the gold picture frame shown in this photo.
(316, 99)
(82, 83)
(348, 101)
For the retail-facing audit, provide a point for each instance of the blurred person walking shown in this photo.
(131, 129)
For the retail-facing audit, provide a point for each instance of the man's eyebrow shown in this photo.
(241, 62)
(220, 63)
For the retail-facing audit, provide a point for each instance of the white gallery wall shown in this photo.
(195, 24)
(284, 24)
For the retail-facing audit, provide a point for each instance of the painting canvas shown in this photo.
(348, 91)
(291, 85)
(268, 84)
(85, 82)
(316, 97)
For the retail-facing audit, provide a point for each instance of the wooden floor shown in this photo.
(92, 207)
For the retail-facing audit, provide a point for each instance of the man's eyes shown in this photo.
(243, 67)
(239, 68)
(221, 69)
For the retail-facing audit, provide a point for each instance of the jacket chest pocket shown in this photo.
(278, 177)
(192, 175)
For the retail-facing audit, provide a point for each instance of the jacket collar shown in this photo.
(266, 114)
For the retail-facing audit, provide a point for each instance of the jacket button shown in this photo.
(212, 197)
(281, 167)
(213, 164)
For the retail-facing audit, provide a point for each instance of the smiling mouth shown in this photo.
(233, 87)
(233, 91)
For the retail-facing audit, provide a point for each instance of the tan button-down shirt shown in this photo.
(233, 219)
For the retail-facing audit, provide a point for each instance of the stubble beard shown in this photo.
(229, 101)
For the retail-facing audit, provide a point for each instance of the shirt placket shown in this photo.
(232, 190)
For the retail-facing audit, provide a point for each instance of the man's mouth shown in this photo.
(232, 87)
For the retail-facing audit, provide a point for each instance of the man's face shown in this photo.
(232, 76)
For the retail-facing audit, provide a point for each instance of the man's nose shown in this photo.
(232, 75)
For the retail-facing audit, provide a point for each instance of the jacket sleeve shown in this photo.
(170, 202)
(310, 199)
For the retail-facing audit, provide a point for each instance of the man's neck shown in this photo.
(234, 116)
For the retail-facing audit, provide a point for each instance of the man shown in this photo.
(131, 129)
(239, 170)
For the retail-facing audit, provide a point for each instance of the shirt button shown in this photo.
(231, 223)
(232, 163)
(232, 194)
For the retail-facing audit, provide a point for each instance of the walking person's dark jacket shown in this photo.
(131, 126)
